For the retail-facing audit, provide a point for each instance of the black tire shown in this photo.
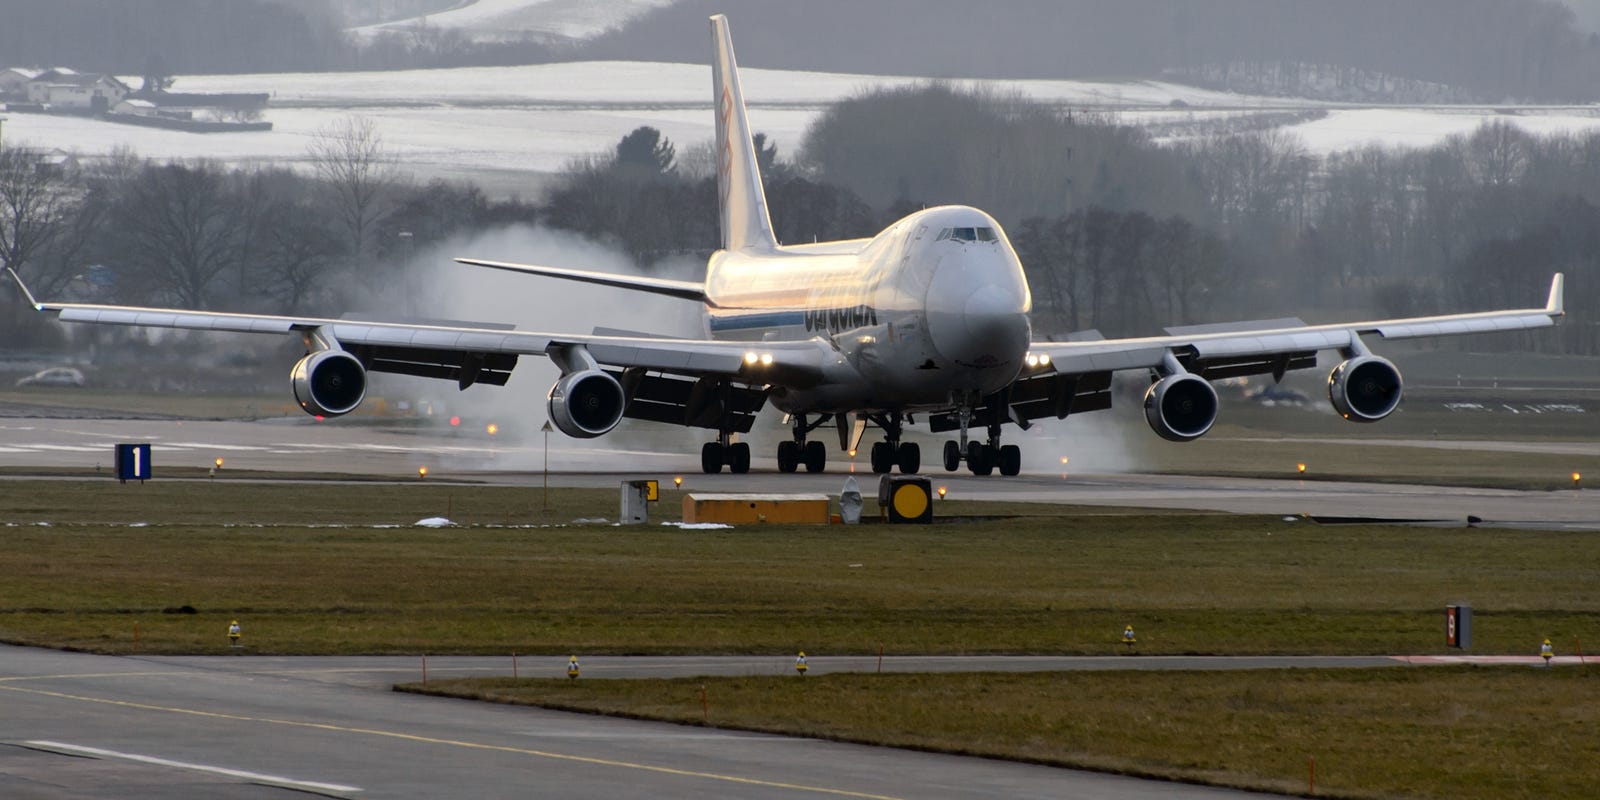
(909, 457)
(952, 456)
(882, 457)
(711, 458)
(980, 458)
(816, 456)
(739, 458)
(1010, 459)
(788, 456)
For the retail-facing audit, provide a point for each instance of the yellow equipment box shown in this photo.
(750, 509)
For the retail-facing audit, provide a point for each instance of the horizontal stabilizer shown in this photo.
(1236, 327)
(686, 290)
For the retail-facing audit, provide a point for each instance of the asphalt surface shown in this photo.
(302, 444)
(74, 725)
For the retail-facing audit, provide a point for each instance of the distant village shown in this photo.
(62, 90)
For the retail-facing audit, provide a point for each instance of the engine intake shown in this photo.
(1181, 408)
(1365, 388)
(586, 404)
(329, 383)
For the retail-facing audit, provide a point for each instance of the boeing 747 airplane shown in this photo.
(929, 318)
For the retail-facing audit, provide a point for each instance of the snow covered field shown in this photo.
(498, 20)
(507, 122)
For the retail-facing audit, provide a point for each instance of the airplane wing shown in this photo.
(1075, 376)
(1244, 346)
(686, 290)
(669, 377)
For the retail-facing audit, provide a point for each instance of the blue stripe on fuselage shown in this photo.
(765, 319)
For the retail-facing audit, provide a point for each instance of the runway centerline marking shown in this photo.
(411, 737)
(254, 777)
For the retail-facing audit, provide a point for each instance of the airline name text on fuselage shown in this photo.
(834, 320)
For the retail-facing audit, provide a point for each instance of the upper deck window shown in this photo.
(968, 234)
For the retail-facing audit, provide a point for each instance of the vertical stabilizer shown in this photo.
(740, 198)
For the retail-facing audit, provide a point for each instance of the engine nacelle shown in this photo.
(1181, 408)
(1365, 388)
(329, 383)
(586, 404)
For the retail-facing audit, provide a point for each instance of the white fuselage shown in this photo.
(928, 314)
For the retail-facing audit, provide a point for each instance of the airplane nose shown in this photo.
(975, 322)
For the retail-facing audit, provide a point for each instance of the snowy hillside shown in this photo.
(497, 123)
(497, 20)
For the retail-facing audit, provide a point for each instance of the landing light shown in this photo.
(766, 359)
(751, 358)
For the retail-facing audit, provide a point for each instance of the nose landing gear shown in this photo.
(982, 457)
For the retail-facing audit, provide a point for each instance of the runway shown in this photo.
(86, 726)
(304, 445)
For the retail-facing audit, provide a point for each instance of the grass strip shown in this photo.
(1452, 732)
(342, 569)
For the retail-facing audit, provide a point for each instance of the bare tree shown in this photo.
(32, 205)
(177, 226)
(349, 155)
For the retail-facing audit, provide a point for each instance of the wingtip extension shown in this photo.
(23, 287)
(1556, 305)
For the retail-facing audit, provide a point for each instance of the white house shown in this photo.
(80, 91)
(14, 80)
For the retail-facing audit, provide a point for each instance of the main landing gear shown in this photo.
(799, 451)
(891, 452)
(982, 457)
(724, 451)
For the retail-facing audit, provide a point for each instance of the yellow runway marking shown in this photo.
(323, 726)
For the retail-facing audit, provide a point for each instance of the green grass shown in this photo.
(308, 570)
(1436, 733)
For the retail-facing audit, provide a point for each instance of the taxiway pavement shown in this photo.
(75, 725)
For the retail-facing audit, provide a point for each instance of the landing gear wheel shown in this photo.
(882, 457)
(1010, 459)
(979, 458)
(816, 456)
(711, 458)
(739, 458)
(909, 457)
(952, 456)
(788, 456)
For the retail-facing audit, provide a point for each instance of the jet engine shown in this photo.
(1180, 407)
(586, 404)
(329, 383)
(1365, 388)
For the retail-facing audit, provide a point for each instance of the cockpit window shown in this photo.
(968, 234)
